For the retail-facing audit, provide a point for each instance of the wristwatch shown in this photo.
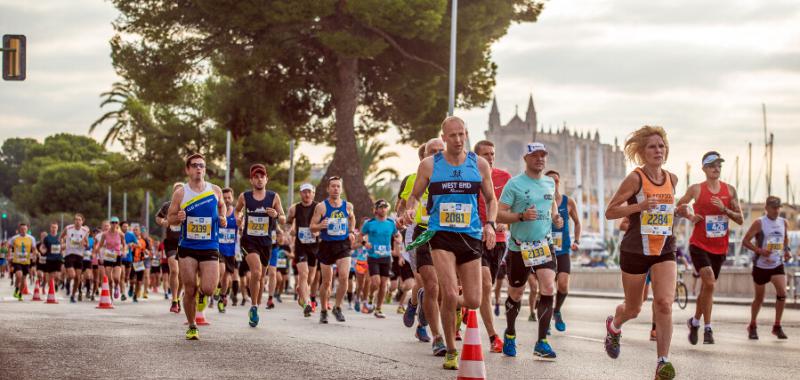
(521, 218)
(491, 223)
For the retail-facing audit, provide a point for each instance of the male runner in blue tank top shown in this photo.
(453, 179)
(198, 207)
(262, 208)
(563, 244)
(335, 221)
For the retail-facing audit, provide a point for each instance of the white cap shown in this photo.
(534, 147)
(306, 186)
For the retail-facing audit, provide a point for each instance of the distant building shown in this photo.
(564, 148)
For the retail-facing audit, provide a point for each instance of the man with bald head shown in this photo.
(454, 178)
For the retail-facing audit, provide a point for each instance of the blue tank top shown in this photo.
(227, 237)
(338, 228)
(453, 196)
(561, 240)
(200, 229)
(258, 226)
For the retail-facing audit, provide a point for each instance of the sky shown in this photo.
(699, 68)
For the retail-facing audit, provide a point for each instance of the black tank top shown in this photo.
(258, 226)
(302, 215)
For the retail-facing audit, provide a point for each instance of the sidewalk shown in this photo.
(790, 303)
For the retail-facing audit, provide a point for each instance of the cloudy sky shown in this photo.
(699, 68)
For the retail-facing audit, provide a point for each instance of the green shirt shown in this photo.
(521, 192)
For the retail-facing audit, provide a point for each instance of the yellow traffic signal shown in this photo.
(13, 57)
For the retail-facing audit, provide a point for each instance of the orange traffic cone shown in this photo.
(200, 319)
(470, 364)
(25, 288)
(51, 293)
(36, 293)
(105, 296)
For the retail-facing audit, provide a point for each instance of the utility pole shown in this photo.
(109, 203)
(125, 205)
(770, 148)
(290, 195)
(228, 158)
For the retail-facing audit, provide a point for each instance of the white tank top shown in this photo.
(774, 236)
(74, 239)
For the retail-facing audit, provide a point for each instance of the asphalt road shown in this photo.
(42, 341)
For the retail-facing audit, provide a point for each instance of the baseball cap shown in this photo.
(773, 201)
(534, 147)
(114, 219)
(256, 168)
(711, 157)
(381, 203)
(306, 186)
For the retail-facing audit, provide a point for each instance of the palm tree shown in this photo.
(371, 154)
(131, 111)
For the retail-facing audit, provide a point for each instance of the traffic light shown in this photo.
(13, 49)
(5, 215)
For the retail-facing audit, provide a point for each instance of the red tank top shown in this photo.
(711, 234)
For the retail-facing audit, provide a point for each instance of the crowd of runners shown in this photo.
(459, 231)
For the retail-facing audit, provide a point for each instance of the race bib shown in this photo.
(775, 244)
(658, 221)
(274, 236)
(258, 225)
(21, 257)
(42, 259)
(55, 249)
(282, 263)
(337, 226)
(558, 239)
(198, 228)
(76, 242)
(87, 255)
(138, 266)
(455, 215)
(305, 235)
(175, 228)
(381, 250)
(424, 211)
(535, 253)
(227, 236)
(716, 226)
(109, 255)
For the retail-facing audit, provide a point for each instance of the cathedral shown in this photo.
(574, 155)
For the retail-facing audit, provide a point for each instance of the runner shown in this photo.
(138, 258)
(108, 248)
(273, 278)
(454, 178)
(172, 234)
(427, 282)
(54, 256)
(261, 208)
(3, 255)
(22, 246)
(98, 268)
(528, 204)
(148, 262)
(306, 244)
(85, 275)
(126, 259)
(155, 267)
(378, 234)
(334, 220)
(198, 207)
(227, 249)
(715, 203)
(648, 244)
(490, 259)
(74, 240)
(564, 245)
(771, 249)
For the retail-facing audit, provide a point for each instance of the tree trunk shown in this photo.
(345, 162)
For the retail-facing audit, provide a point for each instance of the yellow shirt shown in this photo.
(21, 248)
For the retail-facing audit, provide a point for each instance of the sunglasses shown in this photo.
(114, 222)
(334, 178)
(197, 165)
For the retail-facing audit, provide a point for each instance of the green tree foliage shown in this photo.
(309, 66)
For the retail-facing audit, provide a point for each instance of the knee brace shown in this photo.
(780, 298)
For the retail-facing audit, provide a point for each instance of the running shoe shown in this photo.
(91, 298)
(532, 317)
(357, 306)
(409, 315)
(135, 299)
(543, 350)
(612, 339)
(451, 360)
(202, 302)
(365, 308)
(422, 334)
(175, 308)
(388, 299)
(510, 345)
(337, 312)
(234, 300)
(496, 345)
(123, 298)
(752, 332)
(401, 310)
(116, 292)
(253, 315)
(692, 331)
(221, 306)
(72, 299)
(244, 300)
(144, 296)
(378, 314)
(192, 333)
(708, 336)
(80, 296)
(130, 291)
(421, 311)
(323, 316)
(459, 318)
(270, 305)
(278, 298)
(438, 346)
(778, 331)
(560, 325)
(216, 294)
(458, 335)
(496, 309)
(653, 335)
(307, 311)
(665, 371)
